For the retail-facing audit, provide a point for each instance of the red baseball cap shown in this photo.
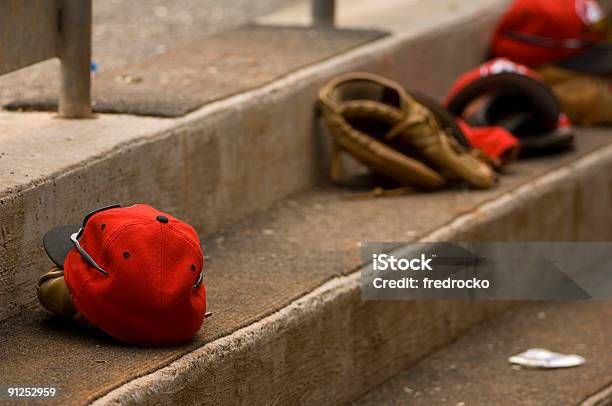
(566, 32)
(512, 96)
(134, 272)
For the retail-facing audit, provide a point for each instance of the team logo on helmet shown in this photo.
(589, 11)
(502, 65)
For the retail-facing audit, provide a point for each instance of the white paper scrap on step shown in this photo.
(543, 358)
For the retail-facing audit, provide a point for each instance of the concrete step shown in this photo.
(288, 323)
(221, 163)
(247, 170)
(474, 371)
(128, 32)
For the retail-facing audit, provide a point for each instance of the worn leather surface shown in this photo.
(377, 122)
(54, 295)
(586, 99)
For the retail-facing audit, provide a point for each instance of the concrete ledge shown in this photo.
(567, 204)
(329, 346)
(222, 163)
(601, 398)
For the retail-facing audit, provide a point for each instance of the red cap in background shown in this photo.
(536, 32)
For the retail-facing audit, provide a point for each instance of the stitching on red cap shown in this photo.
(116, 234)
(119, 211)
(96, 322)
(67, 278)
(182, 235)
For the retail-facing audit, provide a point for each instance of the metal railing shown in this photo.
(323, 13)
(32, 31)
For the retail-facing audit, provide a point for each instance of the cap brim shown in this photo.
(597, 60)
(57, 243)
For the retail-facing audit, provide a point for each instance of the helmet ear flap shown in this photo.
(542, 102)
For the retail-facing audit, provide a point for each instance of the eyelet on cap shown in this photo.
(193, 268)
(126, 255)
(162, 219)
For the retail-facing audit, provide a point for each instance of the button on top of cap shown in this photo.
(162, 219)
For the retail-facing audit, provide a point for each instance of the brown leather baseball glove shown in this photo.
(378, 123)
(54, 295)
(586, 99)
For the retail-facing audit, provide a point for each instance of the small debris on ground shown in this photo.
(127, 79)
(546, 359)
(410, 233)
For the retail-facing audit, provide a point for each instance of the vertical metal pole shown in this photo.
(323, 12)
(75, 54)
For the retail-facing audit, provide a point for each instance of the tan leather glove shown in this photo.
(586, 99)
(378, 123)
(54, 295)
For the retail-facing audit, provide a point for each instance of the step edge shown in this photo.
(601, 398)
(248, 336)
